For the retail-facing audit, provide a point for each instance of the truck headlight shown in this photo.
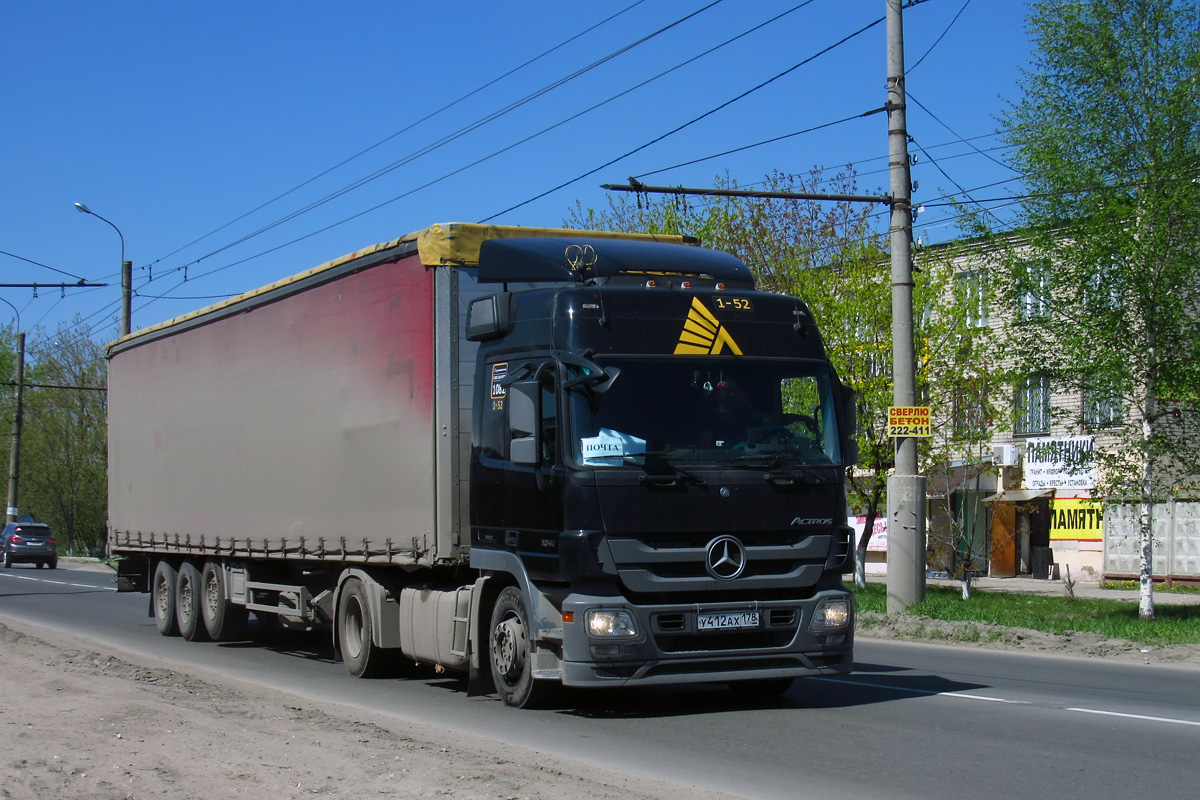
(830, 613)
(611, 623)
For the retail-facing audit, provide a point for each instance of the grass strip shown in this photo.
(1173, 624)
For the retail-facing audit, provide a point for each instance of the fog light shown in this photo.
(609, 623)
(830, 614)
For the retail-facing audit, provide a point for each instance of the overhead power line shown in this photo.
(763, 142)
(511, 146)
(692, 121)
(44, 266)
(429, 148)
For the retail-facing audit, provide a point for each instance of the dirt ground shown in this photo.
(90, 723)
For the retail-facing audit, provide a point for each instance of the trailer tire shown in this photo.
(224, 619)
(189, 603)
(355, 626)
(509, 654)
(162, 598)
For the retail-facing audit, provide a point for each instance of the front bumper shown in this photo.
(670, 647)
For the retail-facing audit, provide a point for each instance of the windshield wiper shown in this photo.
(773, 461)
(659, 479)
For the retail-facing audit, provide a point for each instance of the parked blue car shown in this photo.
(29, 543)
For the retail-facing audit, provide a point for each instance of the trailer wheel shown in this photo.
(509, 650)
(189, 597)
(363, 659)
(224, 619)
(162, 598)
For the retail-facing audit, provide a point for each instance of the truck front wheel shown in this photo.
(162, 598)
(510, 653)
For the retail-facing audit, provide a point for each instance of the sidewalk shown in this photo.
(1057, 588)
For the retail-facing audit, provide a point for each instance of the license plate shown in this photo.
(717, 622)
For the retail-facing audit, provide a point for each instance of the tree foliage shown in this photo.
(63, 476)
(1106, 282)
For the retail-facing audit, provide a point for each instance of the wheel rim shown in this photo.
(352, 633)
(162, 597)
(185, 600)
(212, 595)
(508, 648)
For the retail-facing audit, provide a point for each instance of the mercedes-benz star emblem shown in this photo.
(726, 558)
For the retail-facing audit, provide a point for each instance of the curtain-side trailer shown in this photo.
(539, 457)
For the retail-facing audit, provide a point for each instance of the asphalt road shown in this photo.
(911, 721)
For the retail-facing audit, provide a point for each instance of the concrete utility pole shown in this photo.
(906, 488)
(14, 463)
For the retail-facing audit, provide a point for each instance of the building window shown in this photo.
(1102, 408)
(1033, 291)
(1032, 406)
(971, 285)
(970, 414)
(1103, 289)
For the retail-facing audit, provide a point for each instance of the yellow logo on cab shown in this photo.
(703, 334)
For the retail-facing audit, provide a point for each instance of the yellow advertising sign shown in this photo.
(909, 421)
(1076, 519)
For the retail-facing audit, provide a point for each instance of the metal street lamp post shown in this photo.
(126, 273)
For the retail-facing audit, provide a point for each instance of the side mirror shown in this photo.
(849, 426)
(489, 317)
(524, 423)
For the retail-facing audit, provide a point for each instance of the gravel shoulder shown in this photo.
(91, 723)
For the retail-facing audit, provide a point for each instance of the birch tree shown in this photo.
(1107, 135)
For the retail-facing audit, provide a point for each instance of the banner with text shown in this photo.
(1063, 462)
(1076, 519)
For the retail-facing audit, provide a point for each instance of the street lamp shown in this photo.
(126, 272)
(14, 463)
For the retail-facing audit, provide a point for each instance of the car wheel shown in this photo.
(162, 598)
(52, 563)
(189, 600)
(7, 560)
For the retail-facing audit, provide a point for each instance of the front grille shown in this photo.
(709, 642)
(662, 562)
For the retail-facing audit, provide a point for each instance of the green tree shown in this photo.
(64, 442)
(1106, 284)
(959, 370)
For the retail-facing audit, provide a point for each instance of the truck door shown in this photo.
(516, 489)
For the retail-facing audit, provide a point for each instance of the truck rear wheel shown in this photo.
(510, 654)
(162, 598)
(189, 595)
(363, 659)
(224, 619)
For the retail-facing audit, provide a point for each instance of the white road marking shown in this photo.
(929, 692)
(56, 583)
(1143, 717)
(987, 699)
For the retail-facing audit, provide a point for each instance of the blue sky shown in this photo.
(177, 120)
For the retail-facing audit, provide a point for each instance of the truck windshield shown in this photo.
(688, 412)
